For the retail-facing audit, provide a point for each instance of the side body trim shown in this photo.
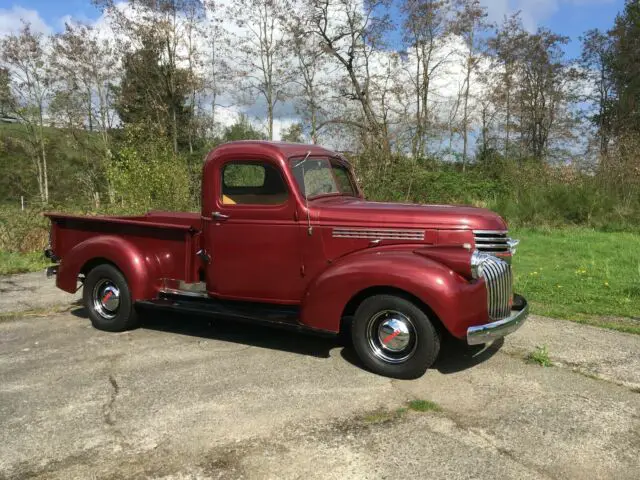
(378, 233)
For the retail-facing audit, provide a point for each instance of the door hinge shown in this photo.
(302, 270)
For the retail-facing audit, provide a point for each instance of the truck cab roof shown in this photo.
(285, 150)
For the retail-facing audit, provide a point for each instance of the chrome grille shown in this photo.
(491, 241)
(497, 275)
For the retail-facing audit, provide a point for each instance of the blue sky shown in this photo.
(568, 17)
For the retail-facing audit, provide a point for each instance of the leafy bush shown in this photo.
(146, 174)
(527, 193)
(23, 231)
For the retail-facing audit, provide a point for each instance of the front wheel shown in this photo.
(394, 337)
(107, 297)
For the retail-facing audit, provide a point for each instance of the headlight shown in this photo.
(477, 260)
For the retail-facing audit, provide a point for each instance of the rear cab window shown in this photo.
(252, 183)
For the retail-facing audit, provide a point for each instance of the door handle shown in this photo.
(219, 216)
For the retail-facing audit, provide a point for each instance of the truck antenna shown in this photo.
(306, 199)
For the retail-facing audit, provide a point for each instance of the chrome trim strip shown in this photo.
(491, 232)
(378, 233)
(491, 245)
(491, 239)
(171, 286)
(489, 332)
(182, 293)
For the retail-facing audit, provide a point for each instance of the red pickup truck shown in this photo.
(286, 237)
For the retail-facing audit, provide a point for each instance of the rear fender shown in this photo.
(140, 270)
(456, 302)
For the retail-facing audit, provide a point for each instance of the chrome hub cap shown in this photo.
(106, 298)
(392, 336)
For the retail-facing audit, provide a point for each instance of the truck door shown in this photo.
(252, 235)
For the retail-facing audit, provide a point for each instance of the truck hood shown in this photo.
(359, 212)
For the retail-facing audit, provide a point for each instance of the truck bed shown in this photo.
(168, 241)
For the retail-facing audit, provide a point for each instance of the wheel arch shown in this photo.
(94, 262)
(139, 271)
(354, 302)
(451, 300)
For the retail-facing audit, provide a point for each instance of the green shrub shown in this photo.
(146, 174)
(23, 231)
(527, 193)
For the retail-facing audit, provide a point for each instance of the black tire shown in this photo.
(382, 318)
(117, 312)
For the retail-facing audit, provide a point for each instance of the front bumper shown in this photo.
(489, 332)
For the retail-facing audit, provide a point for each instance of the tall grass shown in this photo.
(526, 193)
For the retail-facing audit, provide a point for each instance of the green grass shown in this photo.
(540, 356)
(11, 263)
(382, 415)
(581, 275)
(424, 406)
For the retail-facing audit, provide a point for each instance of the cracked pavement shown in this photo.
(185, 397)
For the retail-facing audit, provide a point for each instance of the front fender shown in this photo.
(457, 302)
(140, 271)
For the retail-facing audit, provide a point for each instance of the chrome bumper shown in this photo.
(492, 331)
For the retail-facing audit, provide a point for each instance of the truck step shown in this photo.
(283, 316)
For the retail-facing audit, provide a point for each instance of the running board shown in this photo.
(282, 316)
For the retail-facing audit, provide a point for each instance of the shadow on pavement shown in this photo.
(235, 332)
(455, 355)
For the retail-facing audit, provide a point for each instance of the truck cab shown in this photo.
(286, 237)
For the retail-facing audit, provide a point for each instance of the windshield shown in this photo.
(321, 176)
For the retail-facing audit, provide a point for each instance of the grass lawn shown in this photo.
(581, 275)
(22, 262)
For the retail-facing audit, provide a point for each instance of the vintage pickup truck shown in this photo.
(286, 237)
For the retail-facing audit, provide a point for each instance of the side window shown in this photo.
(252, 183)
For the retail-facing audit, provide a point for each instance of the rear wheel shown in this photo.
(107, 297)
(394, 337)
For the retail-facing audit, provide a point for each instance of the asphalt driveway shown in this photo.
(184, 397)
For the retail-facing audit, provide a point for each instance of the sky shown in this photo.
(567, 17)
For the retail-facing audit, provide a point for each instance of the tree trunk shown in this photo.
(89, 112)
(465, 120)
(45, 177)
(270, 118)
(508, 125)
(174, 129)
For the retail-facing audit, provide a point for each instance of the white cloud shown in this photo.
(11, 21)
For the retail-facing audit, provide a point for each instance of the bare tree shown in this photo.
(546, 84)
(309, 75)
(217, 74)
(506, 50)
(469, 24)
(160, 25)
(425, 27)
(87, 68)
(194, 15)
(597, 51)
(27, 60)
(351, 32)
(262, 41)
